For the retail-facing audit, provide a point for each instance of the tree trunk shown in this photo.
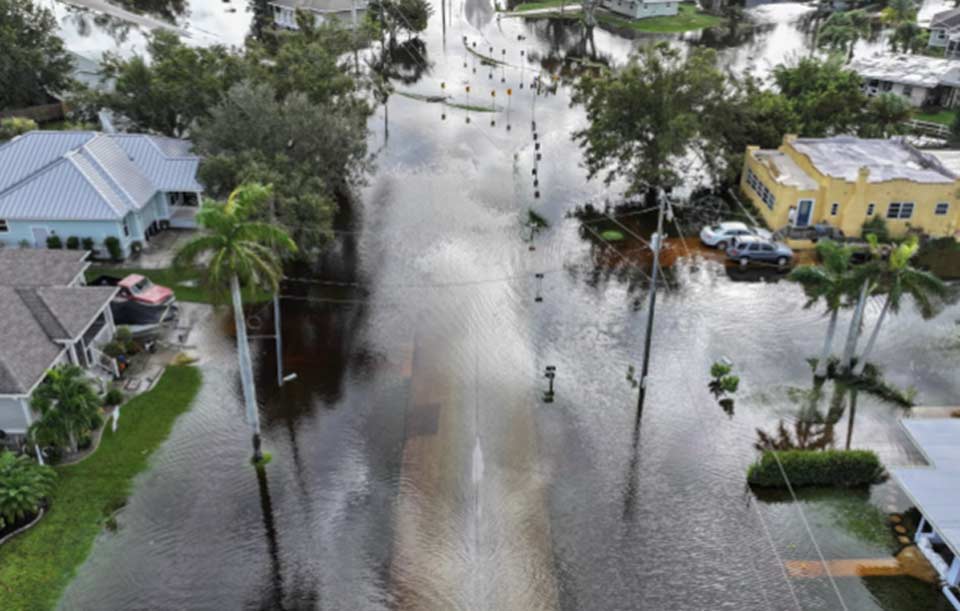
(72, 439)
(821, 370)
(853, 412)
(246, 367)
(854, 333)
(862, 362)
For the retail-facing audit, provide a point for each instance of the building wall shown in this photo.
(938, 38)
(637, 9)
(286, 17)
(23, 230)
(914, 95)
(853, 200)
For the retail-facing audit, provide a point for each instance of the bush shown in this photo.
(73, 243)
(14, 126)
(114, 396)
(114, 349)
(25, 243)
(878, 227)
(813, 468)
(24, 485)
(87, 243)
(112, 245)
(54, 241)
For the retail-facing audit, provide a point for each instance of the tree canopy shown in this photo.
(33, 60)
(826, 97)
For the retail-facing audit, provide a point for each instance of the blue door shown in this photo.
(804, 209)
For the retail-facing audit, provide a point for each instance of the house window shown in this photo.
(834, 209)
(941, 209)
(871, 207)
(126, 229)
(902, 210)
(760, 189)
(4, 228)
(907, 91)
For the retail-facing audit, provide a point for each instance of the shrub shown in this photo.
(24, 485)
(87, 243)
(25, 244)
(136, 247)
(114, 396)
(14, 126)
(878, 227)
(112, 245)
(54, 241)
(114, 349)
(813, 468)
(73, 243)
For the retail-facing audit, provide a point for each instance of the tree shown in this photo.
(244, 254)
(830, 281)
(909, 37)
(646, 116)
(33, 60)
(68, 407)
(313, 153)
(885, 116)
(24, 485)
(864, 278)
(898, 12)
(826, 97)
(896, 278)
(394, 16)
(175, 89)
(841, 31)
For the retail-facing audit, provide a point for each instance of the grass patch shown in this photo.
(36, 566)
(688, 18)
(943, 116)
(186, 284)
(534, 6)
(611, 235)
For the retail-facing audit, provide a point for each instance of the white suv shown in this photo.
(722, 235)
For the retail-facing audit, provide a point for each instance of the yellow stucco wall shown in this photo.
(853, 198)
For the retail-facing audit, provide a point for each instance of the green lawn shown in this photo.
(689, 18)
(532, 6)
(943, 116)
(179, 281)
(36, 566)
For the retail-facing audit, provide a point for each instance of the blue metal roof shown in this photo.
(89, 175)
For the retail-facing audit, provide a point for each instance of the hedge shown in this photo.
(816, 468)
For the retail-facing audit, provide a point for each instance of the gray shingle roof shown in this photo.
(946, 19)
(23, 267)
(89, 175)
(37, 309)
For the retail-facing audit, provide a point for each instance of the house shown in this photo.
(348, 12)
(94, 185)
(47, 317)
(641, 9)
(921, 80)
(844, 181)
(935, 491)
(945, 32)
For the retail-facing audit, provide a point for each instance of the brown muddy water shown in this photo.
(415, 465)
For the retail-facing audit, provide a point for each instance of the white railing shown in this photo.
(105, 362)
(929, 128)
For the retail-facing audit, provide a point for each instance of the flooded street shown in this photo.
(415, 465)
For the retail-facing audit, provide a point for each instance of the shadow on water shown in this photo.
(273, 597)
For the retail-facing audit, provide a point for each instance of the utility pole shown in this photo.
(655, 244)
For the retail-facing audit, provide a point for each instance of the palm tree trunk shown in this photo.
(72, 438)
(246, 367)
(821, 370)
(862, 362)
(854, 333)
(853, 412)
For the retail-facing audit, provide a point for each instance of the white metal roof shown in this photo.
(892, 159)
(915, 70)
(935, 489)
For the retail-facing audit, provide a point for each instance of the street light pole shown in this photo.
(655, 244)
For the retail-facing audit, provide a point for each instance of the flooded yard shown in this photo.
(415, 465)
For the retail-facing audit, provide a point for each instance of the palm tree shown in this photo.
(897, 278)
(68, 406)
(842, 30)
(24, 485)
(864, 278)
(243, 254)
(829, 281)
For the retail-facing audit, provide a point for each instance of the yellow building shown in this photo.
(844, 181)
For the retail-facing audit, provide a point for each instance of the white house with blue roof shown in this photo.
(95, 185)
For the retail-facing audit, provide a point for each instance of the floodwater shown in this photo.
(415, 464)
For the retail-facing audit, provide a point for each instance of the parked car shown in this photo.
(756, 249)
(723, 234)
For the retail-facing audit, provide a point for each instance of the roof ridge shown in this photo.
(70, 157)
(103, 169)
(47, 320)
